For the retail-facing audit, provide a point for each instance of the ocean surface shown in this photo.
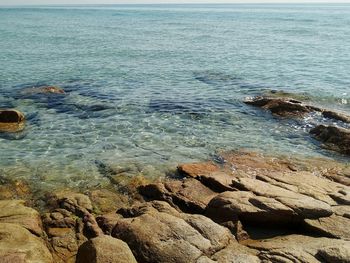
(151, 86)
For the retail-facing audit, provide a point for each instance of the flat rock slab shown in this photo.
(333, 226)
(14, 211)
(248, 207)
(303, 249)
(189, 195)
(105, 249)
(18, 245)
(177, 237)
(304, 206)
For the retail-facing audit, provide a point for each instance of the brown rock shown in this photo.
(248, 207)
(18, 245)
(209, 174)
(73, 202)
(336, 115)
(14, 211)
(105, 249)
(281, 106)
(333, 226)
(105, 201)
(302, 205)
(197, 169)
(11, 120)
(43, 90)
(334, 138)
(177, 238)
(108, 221)
(297, 248)
(189, 195)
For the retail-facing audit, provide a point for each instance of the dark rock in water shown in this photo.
(281, 106)
(336, 115)
(334, 138)
(193, 108)
(11, 120)
(43, 90)
(105, 249)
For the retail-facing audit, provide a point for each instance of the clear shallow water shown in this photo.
(151, 86)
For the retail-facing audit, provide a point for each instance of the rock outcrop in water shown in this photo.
(11, 120)
(333, 137)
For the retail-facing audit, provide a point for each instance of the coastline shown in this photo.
(250, 207)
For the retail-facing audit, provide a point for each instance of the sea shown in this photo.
(151, 86)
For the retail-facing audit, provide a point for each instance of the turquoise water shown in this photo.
(151, 86)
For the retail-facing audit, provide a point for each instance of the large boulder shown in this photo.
(303, 249)
(11, 120)
(105, 249)
(18, 245)
(177, 237)
(14, 211)
(334, 138)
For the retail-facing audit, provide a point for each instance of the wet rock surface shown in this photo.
(334, 137)
(11, 120)
(281, 106)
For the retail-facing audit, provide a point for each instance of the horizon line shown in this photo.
(164, 3)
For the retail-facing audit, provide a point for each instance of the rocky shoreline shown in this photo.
(249, 208)
(244, 207)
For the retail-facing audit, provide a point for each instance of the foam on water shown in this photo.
(153, 86)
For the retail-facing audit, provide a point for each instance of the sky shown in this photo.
(46, 2)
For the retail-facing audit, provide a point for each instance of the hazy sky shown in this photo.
(28, 2)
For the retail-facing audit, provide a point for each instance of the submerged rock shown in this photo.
(43, 90)
(105, 249)
(11, 120)
(334, 138)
